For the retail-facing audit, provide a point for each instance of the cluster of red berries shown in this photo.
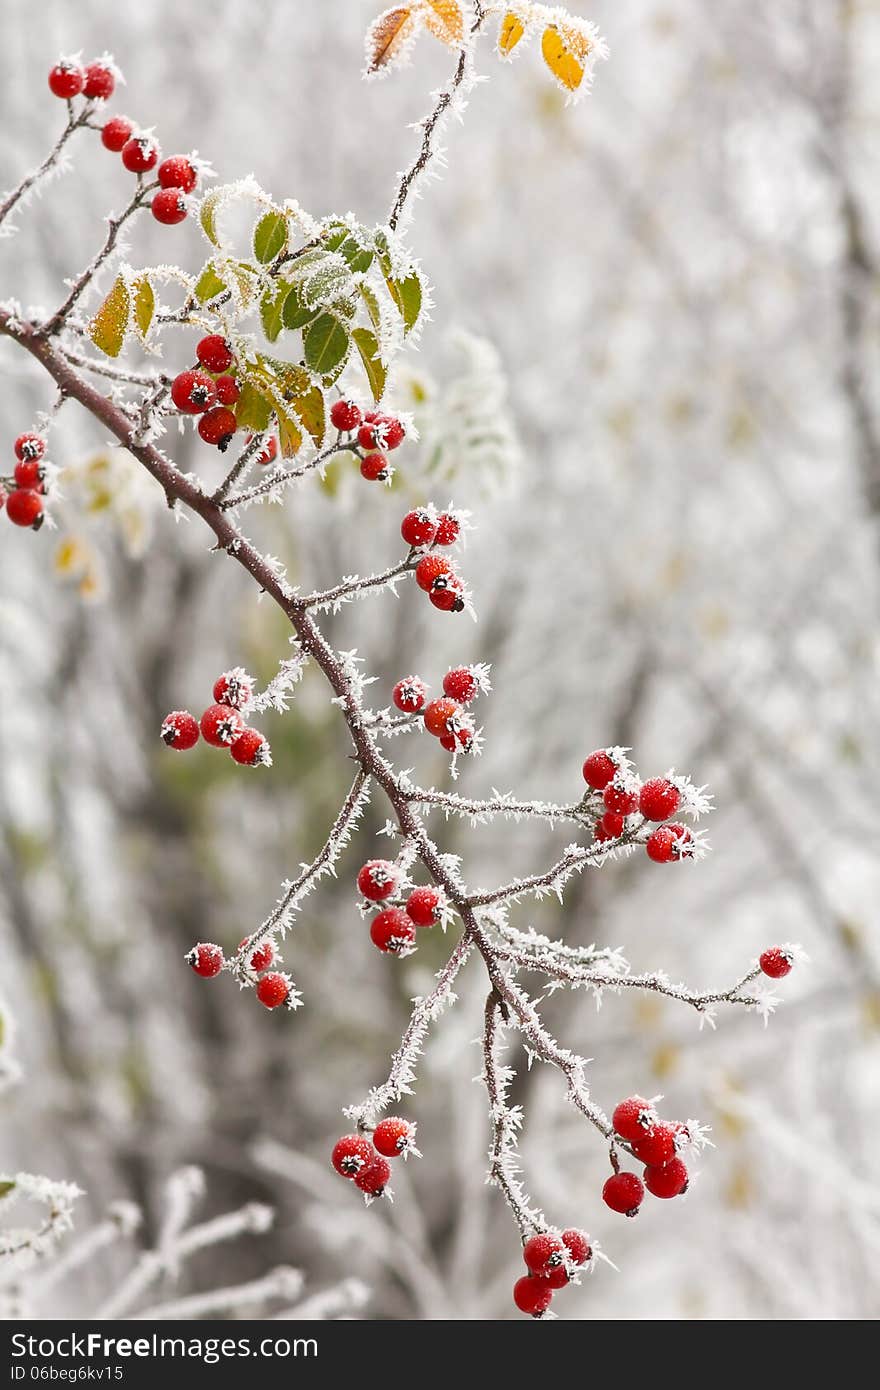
(96, 81)
(656, 1143)
(272, 988)
(394, 930)
(624, 795)
(445, 717)
(377, 434)
(552, 1260)
(210, 391)
(27, 486)
(366, 1164)
(422, 529)
(222, 724)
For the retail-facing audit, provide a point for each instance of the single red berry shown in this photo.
(557, 1278)
(177, 172)
(251, 749)
(462, 738)
(375, 468)
(214, 353)
(609, 826)
(227, 390)
(206, 959)
(410, 694)
(140, 153)
(100, 82)
(599, 769)
(543, 1252)
(440, 717)
(669, 842)
(392, 432)
(668, 1180)
(273, 990)
(218, 426)
(180, 730)
(30, 474)
(66, 80)
(29, 447)
(392, 1137)
(624, 1192)
(532, 1296)
(350, 1154)
(448, 529)
(345, 416)
(169, 207)
(262, 957)
(577, 1243)
(269, 451)
(620, 797)
(461, 684)
(24, 507)
(116, 133)
(431, 568)
(775, 962)
(659, 799)
(374, 1177)
(656, 1148)
(193, 392)
(418, 527)
(423, 906)
(634, 1118)
(221, 725)
(235, 688)
(393, 931)
(448, 594)
(378, 879)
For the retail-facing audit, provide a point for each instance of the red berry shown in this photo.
(543, 1252)
(180, 730)
(262, 957)
(221, 725)
(532, 1295)
(227, 390)
(29, 447)
(775, 962)
(392, 1137)
(418, 527)
(214, 353)
(251, 749)
(440, 717)
(461, 684)
(269, 451)
(345, 416)
(235, 688)
(393, 931)
(378, 879)
(24, 507)
(140, 153)
(557, 1278)
(448, 529)
(116, 133)
(193, 392)
(206, 959)
(669, 842)
(659, 799)
(620, 797)
(178, 172)
(462, 738)
(218, 426)
(169, 207)
(423, 906)
(623, 1192)
(577, 1243)
(448, 594)
(100, 82)
(375, 468)
(66, 80)
(30, 474)
(656, 1148)
(429, 569)
(609, 826)
(350, 1154)
(599, 769)
(374, 1177)
(634, 1118)
(273, 990)
(381, 432)
(668, 1180)
(410, 694)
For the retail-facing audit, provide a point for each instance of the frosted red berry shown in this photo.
(440, 716)
(350, 1154)
(577, 1243)
(620, 797)
(543, 1253)
(624, 1192)
(116, 133)
(557, 1278)
(29, 447)
(609, 826)
(394, 1136)
(214, 353)
(431, 568)
(461, 684)
(180, 730)
(669, 843)
(381, 432)
(418, 527)
(262, 957)
(378, 879)
(423, 906)
(169, 207)
(24, 507)
(659, 798)
(447, 594)
(599, 769)
(393, 931)
(461, 737)
(532, 1295)
(30, 474)
(392, 431)
(375, 468)
(269, 451)
(345, 416)
(100, 82)
(177, 172)
(217, 426)
(66, 80)
(251, 749)
(656, 1147)
(633, 1118)
(448, 529)
(234, 688)
(410, 694)
(206, 959)
(273, 990)
(374, 1177)
(193, 392)
(227, 390)
(667, 1180)
(221, 725)
(776, 962)
(140, 153)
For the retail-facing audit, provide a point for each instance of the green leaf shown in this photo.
(407, 295)
(377, 374)
(271, 310)
(380, 241)
(285, 379)
(344, 308)
(270, 236)
(326, 344)
(208, 284)
(245, 279)
(208, 216)
(358, 256)
(326, 282)
(253, 410)
(108, 328)
(289, 434)
(7, 1185)
(144, 304)
(311, 409)
(295, 314)
(371, 300)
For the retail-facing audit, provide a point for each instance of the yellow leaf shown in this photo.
(512, 30)
(443, 18)
(564, 53)
(289, 434)
(387, 36)
(144, 304)
(110, 324)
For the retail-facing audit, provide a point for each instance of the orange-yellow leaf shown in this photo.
(386, 37)
(445, 21)
(512, 30)
(563, 58)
